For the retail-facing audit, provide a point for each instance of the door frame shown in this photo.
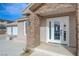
(47, 29)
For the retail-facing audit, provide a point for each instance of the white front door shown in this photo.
(58, 30)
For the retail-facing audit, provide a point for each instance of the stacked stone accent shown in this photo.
(72, 30)
(78, 21)
(33, 31)
(56, 6)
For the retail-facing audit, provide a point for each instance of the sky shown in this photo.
(11, 11)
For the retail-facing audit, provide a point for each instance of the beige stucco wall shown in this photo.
(43, 30)
(20, 36)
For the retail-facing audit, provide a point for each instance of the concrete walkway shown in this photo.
(51, 50)
(10, 48)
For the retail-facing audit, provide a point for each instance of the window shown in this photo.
(25, 24)
(49, 29)
(2, 26)
(12, 30)
(15, 30)
(64, 32)
(64, 35)
(9, 30)
(57, 31)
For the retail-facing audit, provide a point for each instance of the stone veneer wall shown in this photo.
(78, 21)
(72, 30)
(55, 8)
(33, 31)
(43, 29)
(37, 30)
(55, 5)
(78, 28)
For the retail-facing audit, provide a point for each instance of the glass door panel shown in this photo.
(56, 30)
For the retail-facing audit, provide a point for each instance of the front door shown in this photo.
(58, 30)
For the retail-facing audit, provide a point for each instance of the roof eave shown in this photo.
(31, 6)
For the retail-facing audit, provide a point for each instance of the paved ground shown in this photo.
(10, 48)
(52, 50)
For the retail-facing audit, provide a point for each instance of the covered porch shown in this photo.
(42, 31)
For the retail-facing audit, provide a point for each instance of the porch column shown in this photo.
(33, 31)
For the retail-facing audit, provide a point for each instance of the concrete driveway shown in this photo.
(10, 47)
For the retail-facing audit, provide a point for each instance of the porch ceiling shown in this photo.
(51, 11)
